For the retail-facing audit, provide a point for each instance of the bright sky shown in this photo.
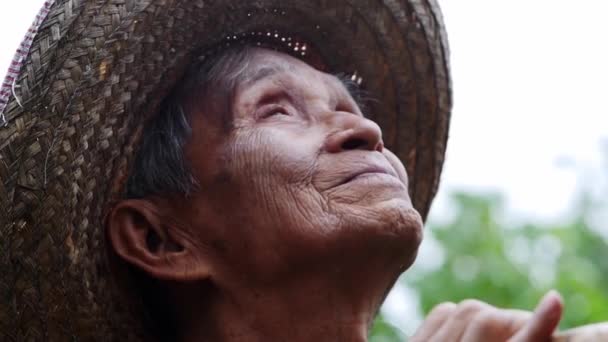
(530, 114)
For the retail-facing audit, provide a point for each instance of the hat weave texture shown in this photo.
(96, 70)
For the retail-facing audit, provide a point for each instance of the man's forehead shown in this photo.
(270, 64)
(267, 63)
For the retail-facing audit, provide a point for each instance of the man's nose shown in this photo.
(353, 132)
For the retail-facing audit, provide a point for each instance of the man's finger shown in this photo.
(433, 321)
(544, 321)
(453, 329)
(587, 333)
(496, 324)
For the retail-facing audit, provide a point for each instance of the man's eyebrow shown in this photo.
(360, 96)
(263, 72)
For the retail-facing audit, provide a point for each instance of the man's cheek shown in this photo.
(251, 156)
(397, 165)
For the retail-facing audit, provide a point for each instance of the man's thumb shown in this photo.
(544, 321)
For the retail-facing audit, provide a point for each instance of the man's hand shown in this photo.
(586, 333)
(472, 320)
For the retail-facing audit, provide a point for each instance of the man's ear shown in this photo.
(140, 235)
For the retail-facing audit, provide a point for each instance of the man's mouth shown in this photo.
(370, 172)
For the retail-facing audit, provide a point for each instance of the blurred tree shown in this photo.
(513, 266)
(383, 331)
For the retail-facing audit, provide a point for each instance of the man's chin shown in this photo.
(391, 225)
(402, 232)
(400, 221)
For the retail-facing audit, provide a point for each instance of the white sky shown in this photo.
(530, 113)
(530, 107)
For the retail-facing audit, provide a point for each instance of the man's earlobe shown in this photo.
(143, 237)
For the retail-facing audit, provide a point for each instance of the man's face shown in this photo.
(300, 182)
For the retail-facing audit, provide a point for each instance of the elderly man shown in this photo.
(208, 171)
(270, 209)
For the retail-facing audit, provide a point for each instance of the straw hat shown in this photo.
(91, 72)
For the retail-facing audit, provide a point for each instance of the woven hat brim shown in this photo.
(96, 71)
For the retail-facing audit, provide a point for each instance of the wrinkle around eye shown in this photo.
(276, 110)
(269, 110)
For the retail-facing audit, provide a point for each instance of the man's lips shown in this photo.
(361, 168)
(369, 171)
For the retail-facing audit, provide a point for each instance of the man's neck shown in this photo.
(312, 311)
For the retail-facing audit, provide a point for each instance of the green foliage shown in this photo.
(513, 266)
(382, 331)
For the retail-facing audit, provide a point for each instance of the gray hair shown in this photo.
(160, 167)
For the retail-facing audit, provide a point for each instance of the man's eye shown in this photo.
(278, 112)
(273, 111)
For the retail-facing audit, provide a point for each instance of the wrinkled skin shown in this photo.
(301, 225)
